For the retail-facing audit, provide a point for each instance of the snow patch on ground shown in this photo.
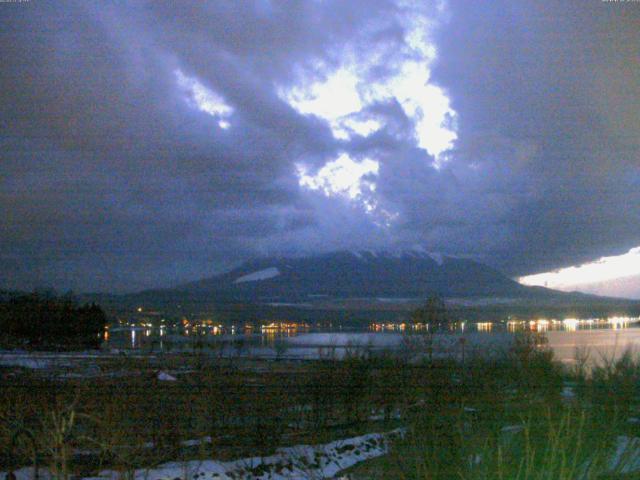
(28, 473)
(25, 362)
(165, 377)
(289, 304)
(512, 428)
(398, 300)
(298, 462)
(259, 275)
(626, 458)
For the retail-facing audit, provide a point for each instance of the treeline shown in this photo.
(38, 321)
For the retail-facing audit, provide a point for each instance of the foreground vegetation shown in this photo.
(528, 419)
(512, 415)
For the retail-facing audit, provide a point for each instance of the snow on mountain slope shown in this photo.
(259, 275)
(437, 257)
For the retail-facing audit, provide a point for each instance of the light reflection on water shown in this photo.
(605, 338)
(571, 324)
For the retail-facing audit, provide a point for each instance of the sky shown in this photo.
(144, 144)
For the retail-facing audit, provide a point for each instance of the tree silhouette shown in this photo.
(39, 321)
(433, 313)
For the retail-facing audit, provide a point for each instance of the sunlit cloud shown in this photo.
(425, 104)
(335, 97)
(350, 125)
(204, 99)
(342, 176)
(352, 180)
(605, 269)
(341, 96)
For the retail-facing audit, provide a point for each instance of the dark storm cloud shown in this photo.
(548, 96)
(107, 169)
(110, 179)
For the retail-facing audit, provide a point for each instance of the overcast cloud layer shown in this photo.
(150, 143)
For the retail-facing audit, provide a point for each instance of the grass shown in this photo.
(506, 419)
(537, 442)
(456, 413)
(245, 408)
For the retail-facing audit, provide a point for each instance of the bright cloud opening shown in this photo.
(331, 99)
(341, 98)
(336, 99)
(204, 99)
(426, 104)
(343, 176)
(603, 270)
(349, 179)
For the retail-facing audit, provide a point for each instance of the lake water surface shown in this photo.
(593, 340)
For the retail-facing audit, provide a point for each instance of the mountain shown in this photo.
(362, 274)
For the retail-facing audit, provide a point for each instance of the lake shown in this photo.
(594, 339)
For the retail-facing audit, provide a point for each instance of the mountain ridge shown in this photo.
(360, 274)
